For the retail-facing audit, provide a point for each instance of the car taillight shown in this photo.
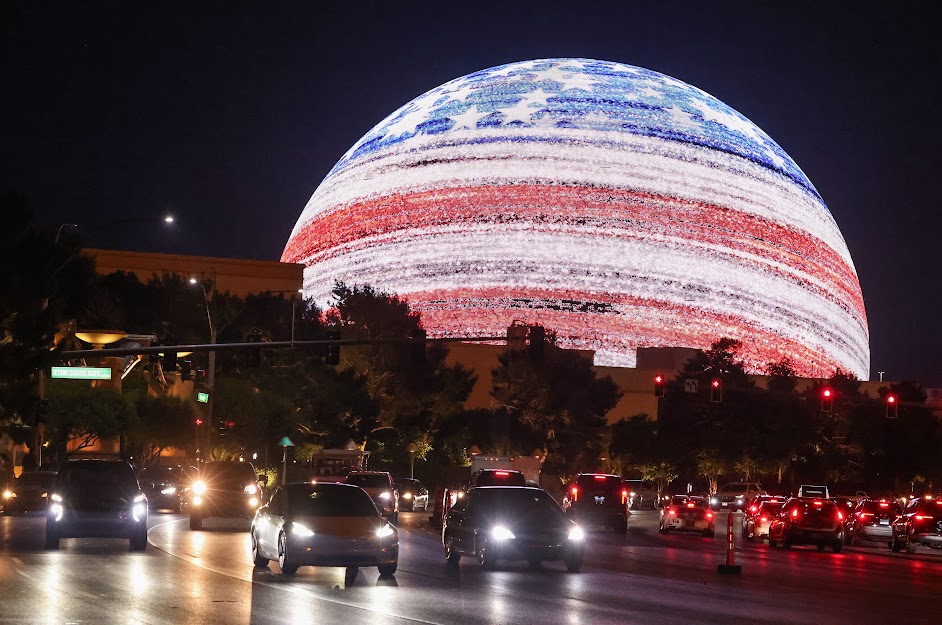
(795, 513)
(600, 477)
(863, 515)
(922, 517)
(818, 503)
(575, 494)
(671, 511)
(763, 519)
(624, 496)
(884, 504)
(752, 508)
(709, 515)
(501, 473)
(691, 505)
(840, 517)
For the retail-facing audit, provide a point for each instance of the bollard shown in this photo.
(730, 568)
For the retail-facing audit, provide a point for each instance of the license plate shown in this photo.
(884, 521)
(724, 504)
(600, 500)
(700, 525)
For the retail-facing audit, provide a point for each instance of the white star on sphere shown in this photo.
(521, 112)
(505, 71)
(731, 122)
(469, 118)
(680, 118)
(567, 78)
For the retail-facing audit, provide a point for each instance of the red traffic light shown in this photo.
(230, 424)
(199, 422)
(716, 383)
(658, 385)
(658, 379)
(826, 393)
(891, 399)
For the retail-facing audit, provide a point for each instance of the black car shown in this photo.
(167, 487)
(97, 499)
(495, 523)
(224, 489)
(598, 499)
(808, 521)
(871, 519)
(919, 524)
(28, 493)
(412, 494)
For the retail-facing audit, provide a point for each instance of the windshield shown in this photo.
(329, 500)
(35, 479)
(409, 485)
(733, 488)
(93, 475)
(153, 474)
(516, 503)
(228, 474)
(368, 480)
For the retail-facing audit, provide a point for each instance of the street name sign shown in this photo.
(81, 373)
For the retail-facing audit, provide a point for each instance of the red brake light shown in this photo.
(922, 517)
(501, 473)
(818, 503)
(763, 519)
(840, 517)
(752, 508)
(709, 515)
(575, 494)
(884, 505)
(671, 511)
(864, 515)
(795, 513)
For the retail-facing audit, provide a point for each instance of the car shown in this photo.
(686, 513)
(380, 486)
(496, 477)
(753, 505)
(323, 524)
(733, 496)
(641, 493)
(808, 521)
(920, 524)
(756, 525)
(871, 520)
(28, 493)
(493, 523)
(598, 499)
(167, 487)
(224, 489)
(96, 498)
(413, 493)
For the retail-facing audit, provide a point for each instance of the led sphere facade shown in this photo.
(614, 205)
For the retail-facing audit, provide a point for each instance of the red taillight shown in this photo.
(922, 517)
(840, 517)
(763, 519)
(501, 473)
(624, 496)
(795, 513)
(818, 503)
(709, 515)
(884, 505)
(575, 494)
(691, 505)
(863, 515)
(752, 508)
(671, 511)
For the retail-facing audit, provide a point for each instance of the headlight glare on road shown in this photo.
(300, 530)
(384, 495)
(576, 534)
(169, 490)
(199, 487)
(385, 531)
(502, 533)
(56, 510)
(138, 512)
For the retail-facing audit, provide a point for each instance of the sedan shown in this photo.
(324, 524)
(871, 520)
(688, 514)
(412, 494)
(29, 492)
(757, 525)
(494, 523)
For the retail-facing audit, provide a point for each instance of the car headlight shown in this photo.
(576, 534)
(199, 487)
(56, 511)
(633, 493)
(56, 498)
(407, 495)
(740, 497)
(251, 489)
(169, 490)
(384, 495)
(253, 501)
(197, 500)
(8, 494)
(713, 500)
(385, 531)
(138, 511)
(300, 530)
(502, 533)
(139, 498)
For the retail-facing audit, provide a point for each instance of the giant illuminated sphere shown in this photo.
(614, 205)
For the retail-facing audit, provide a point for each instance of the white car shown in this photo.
(735, 495)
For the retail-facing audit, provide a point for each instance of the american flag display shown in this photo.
(618, 207)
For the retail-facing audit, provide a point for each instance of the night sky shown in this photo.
(228, 115)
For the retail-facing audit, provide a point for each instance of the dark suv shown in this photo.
(224, 489)
(920, 524)
(871, 519)
(598, 499)
(808, 522)
(167, 487)
(97, 499)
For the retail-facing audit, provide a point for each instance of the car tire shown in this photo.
(837, 546)
(387, 570)
(196, 522)
(574, 562)
(663, 530)
(709, 533)
(486, 557)
(139, 542)
(786, 543)
(257, 558)
(452, 556)
(821, 547)
(52, 539)
(895, 546)
(910, 545)
(287, 567)
(620, 527)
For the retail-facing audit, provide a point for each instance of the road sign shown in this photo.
(285, 442)
(691, 385)
(81, 373)
(202, 398)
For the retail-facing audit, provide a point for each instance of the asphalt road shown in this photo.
(644, 577)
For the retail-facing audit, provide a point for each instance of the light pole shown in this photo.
(412, 448)
(294, 305)
(211, 378)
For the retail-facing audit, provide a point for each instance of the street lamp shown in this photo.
(211, 377)
(412, 449)
(294, 305)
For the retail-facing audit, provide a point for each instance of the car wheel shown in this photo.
(287, 567)
(910, 545)
(386, 570)
(196, 521)
(486, 557)
(52, 539)
(620, 527)
(709, 533)
(663, 529)
(573, 562)
(837, 546)
(451, 554)
(139, 542)
(257, 558)
(895, 545)
(820, 547)
(786, 542)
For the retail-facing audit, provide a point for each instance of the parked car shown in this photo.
(495, 523)
(167, 487)
(733, 496)
(380, 487)
(412, 494)
(687, 513)
(756, 525)
(324, 524)
(226, 489)
(97, 499)
(641, 493)
(871, 520)
(920, 524)
(807, 521)
(28, 493)
(594, 499)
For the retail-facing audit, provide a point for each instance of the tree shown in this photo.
(782, 376)
(710, 466)
(85, 415)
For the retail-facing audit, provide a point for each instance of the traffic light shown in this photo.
(186, 369)
(332, 355)
(169, 362)
(716, 390)
(537, 343)
(892, 406)
(827, 399)
(225, 426)
(659, 385)
(198, 422)
(255, 353)
(417, 350)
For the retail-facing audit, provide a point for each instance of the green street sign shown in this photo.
(202, 398)
(285, 442)
(81, 373)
